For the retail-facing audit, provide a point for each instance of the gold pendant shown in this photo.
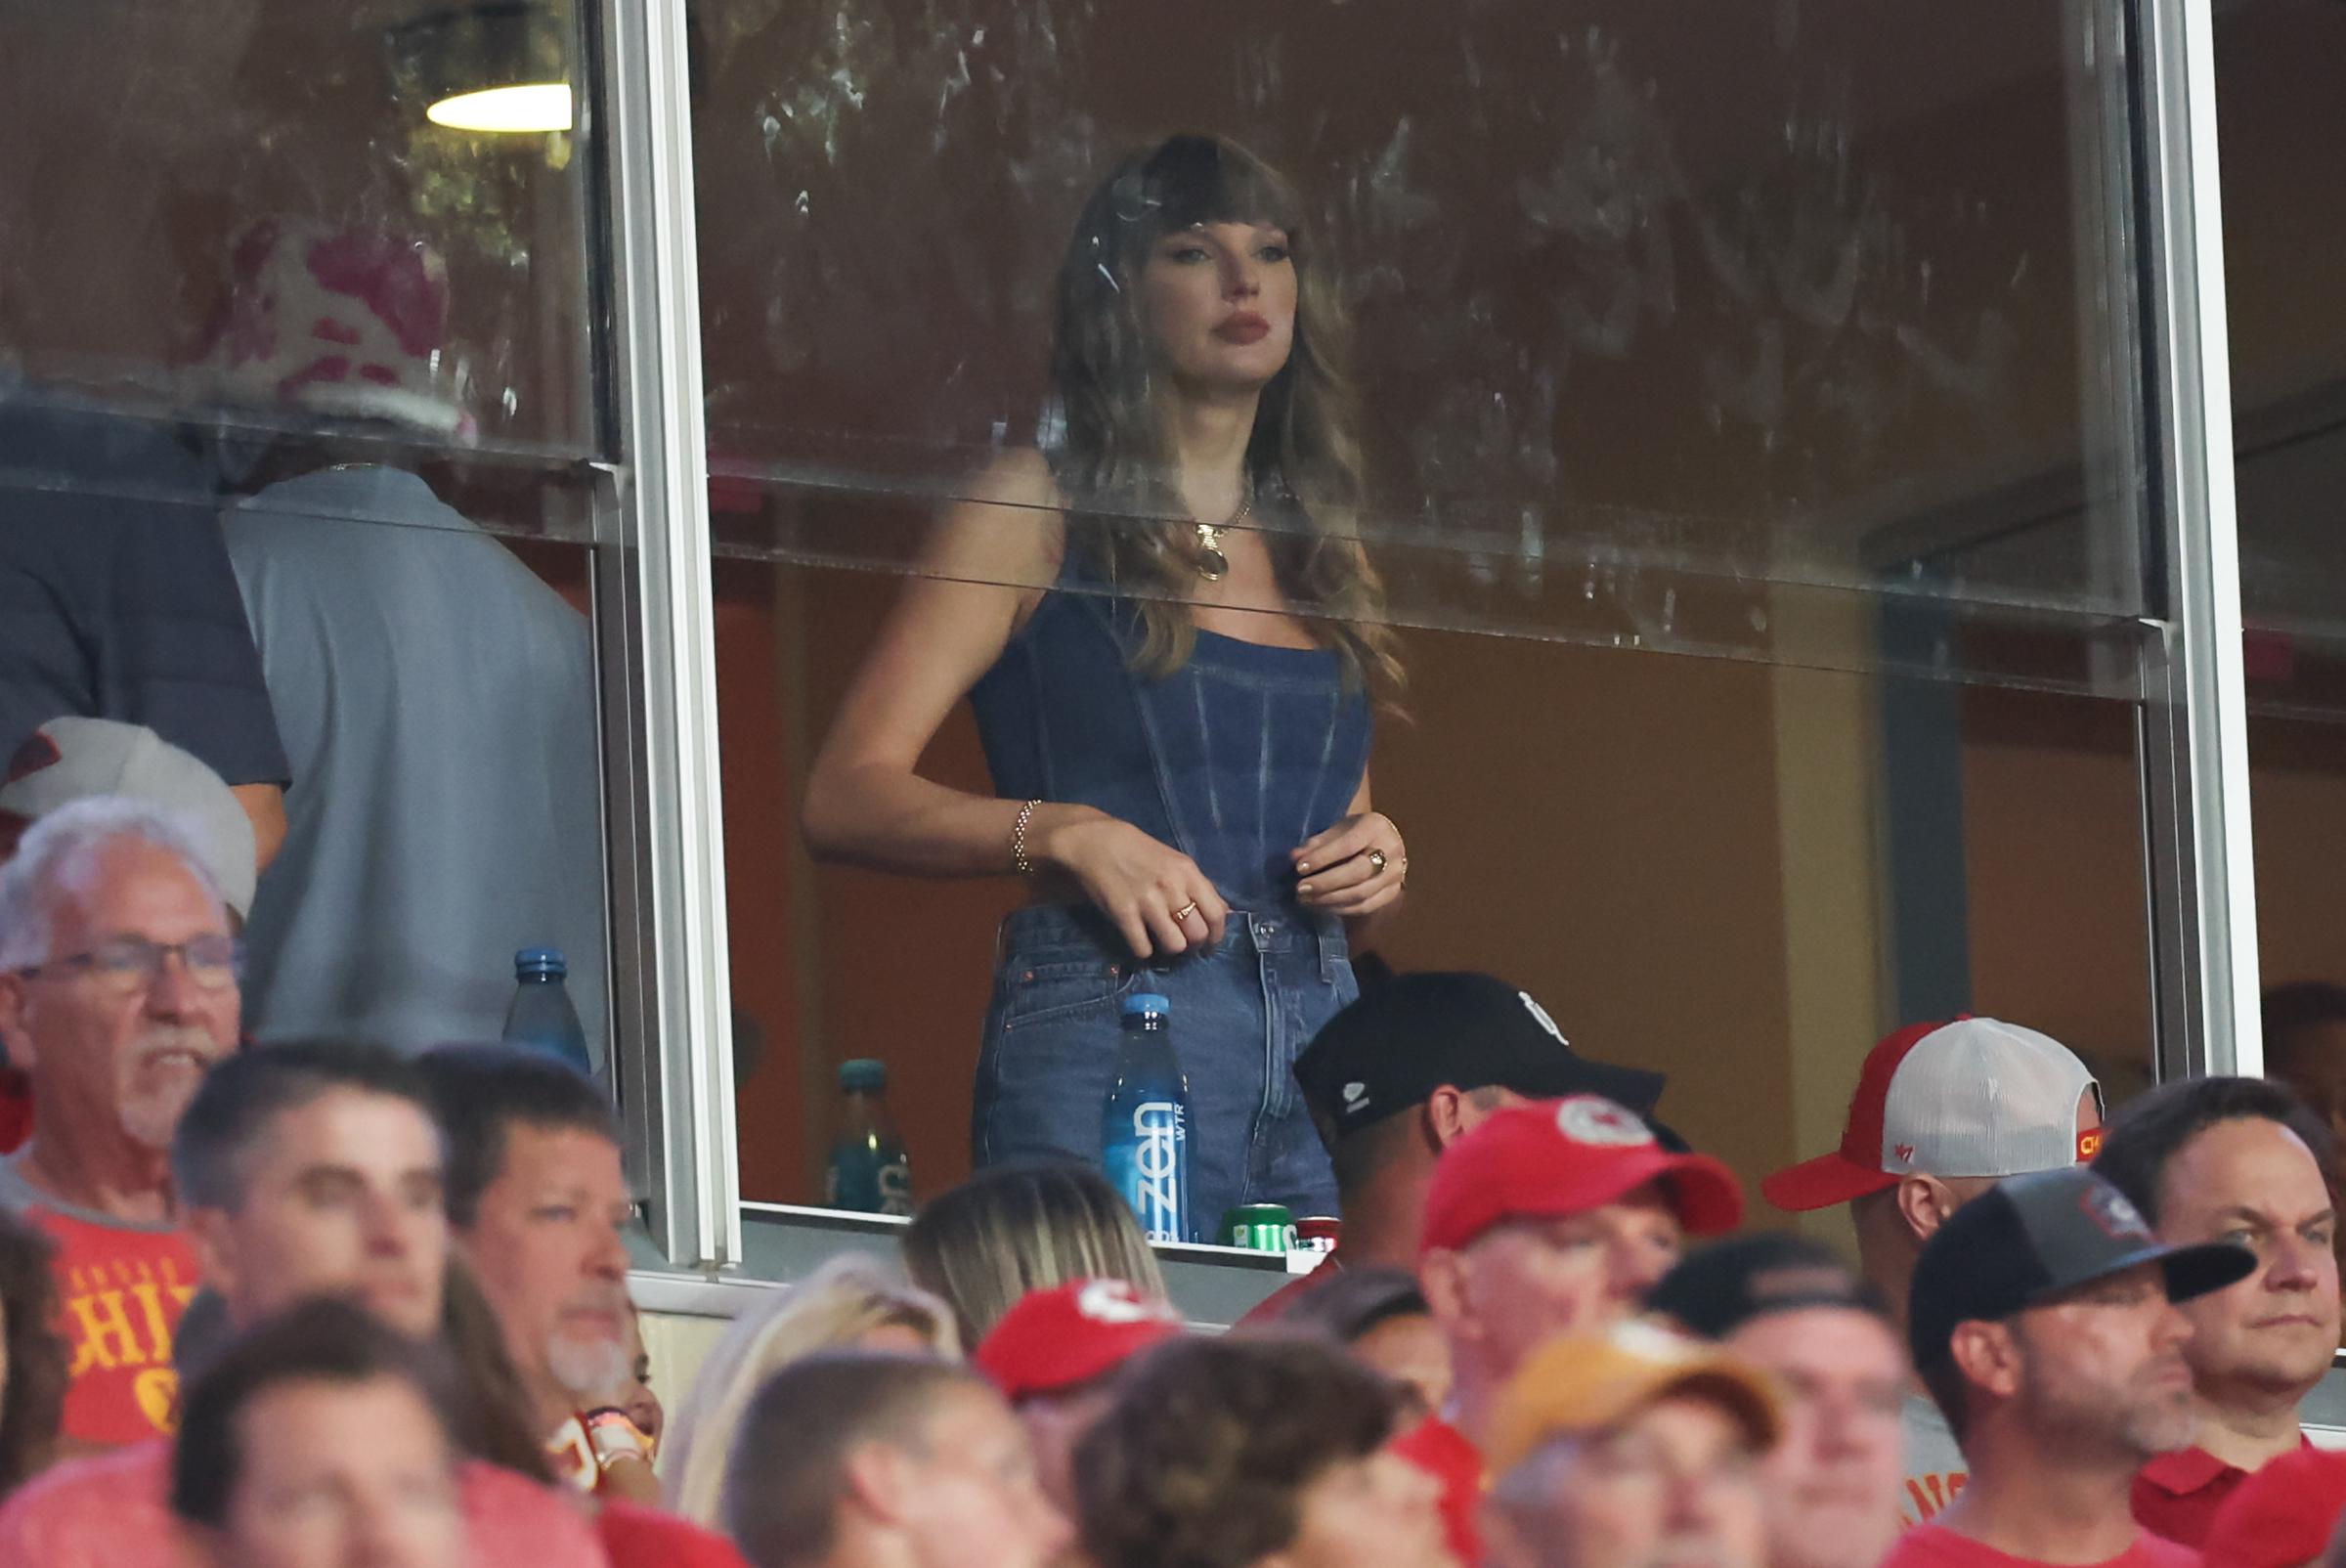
(1212, 564)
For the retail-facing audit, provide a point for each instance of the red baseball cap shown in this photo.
(1072, 1333)
(1558, 1158)
(1971, 1097)
(2282, 1515)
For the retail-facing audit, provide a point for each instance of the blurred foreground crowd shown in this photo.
(322, 1304)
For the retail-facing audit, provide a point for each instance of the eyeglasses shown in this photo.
(125, 966)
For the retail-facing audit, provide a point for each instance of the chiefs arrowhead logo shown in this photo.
(1588, 1118)
(1113, 1301)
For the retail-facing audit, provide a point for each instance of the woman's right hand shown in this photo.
(1154, 893)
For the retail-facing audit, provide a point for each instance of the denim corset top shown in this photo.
(1235, 759)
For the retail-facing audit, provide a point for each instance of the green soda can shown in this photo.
(1258, 1228)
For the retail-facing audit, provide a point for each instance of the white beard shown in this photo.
(587, 1368)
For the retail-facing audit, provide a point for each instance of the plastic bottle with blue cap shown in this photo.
(542, 1016)
(1145, 1122)
(869, 1171)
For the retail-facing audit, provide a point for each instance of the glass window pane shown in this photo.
(1644, 306)
(246, 212)
(297, 416)
(2289, 375)
(1800, 337)
(1689, 861)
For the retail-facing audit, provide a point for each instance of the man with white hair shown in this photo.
(117, 992)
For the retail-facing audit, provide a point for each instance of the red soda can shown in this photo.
(1317, 1233)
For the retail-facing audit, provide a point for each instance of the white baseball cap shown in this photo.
(70, 759)
(1975, 1097)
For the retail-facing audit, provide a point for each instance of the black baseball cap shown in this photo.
(2031, 1237)
(1394, 1047)
(1716, 1289)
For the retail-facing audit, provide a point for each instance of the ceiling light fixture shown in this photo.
(500, 66)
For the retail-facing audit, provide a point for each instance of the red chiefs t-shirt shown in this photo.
(1934, 1545)
(1446, 1454)
(636, 1537)
(2177, 1494)
(121, 1289)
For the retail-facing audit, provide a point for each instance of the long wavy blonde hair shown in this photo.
(1303, 461)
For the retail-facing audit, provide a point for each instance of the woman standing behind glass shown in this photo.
(1182, 754)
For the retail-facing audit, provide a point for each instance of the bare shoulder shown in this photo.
(1007, 527)
(1020, 476)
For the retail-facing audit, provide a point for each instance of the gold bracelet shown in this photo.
(1019, 861)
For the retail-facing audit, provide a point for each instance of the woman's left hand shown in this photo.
(1355, 869)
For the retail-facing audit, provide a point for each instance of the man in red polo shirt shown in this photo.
(2233, 1159)
(1550, 1218)
(2045, 1319)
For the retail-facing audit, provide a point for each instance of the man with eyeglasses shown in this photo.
(117, 992)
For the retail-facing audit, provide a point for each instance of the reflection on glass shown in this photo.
(491, 65)
(1801, 335)
(2279, 117)
(1691, 863)
(2278, 121)
(1655, 301)
(153, 152)
(278, 356)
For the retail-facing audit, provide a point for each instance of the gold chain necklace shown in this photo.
(1212, 564)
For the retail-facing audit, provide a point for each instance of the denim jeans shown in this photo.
(1239, 1016)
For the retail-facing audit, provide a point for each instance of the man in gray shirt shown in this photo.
(438, 699)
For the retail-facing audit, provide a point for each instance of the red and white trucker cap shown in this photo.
(1975, 1096)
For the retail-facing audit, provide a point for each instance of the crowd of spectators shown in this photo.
(324, 1303)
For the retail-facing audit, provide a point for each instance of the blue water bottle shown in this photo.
(869, 1172)
(542, 1018)
(1144, 1123)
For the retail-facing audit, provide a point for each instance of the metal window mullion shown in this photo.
(656, 305)
(2192, 404)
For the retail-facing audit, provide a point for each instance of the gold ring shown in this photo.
(1376, 861)
(1185, 911)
